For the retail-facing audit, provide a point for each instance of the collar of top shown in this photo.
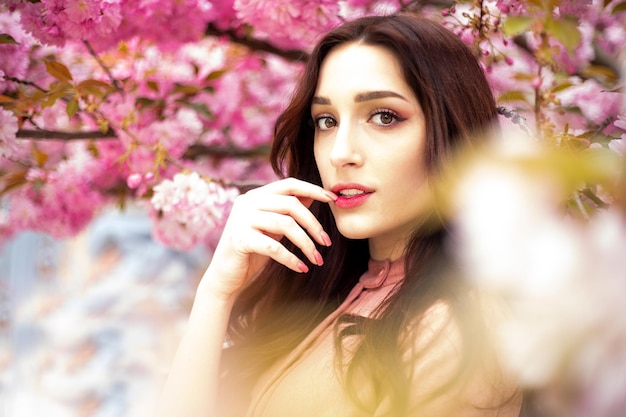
(382, 273)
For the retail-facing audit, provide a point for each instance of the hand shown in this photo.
(258, 221)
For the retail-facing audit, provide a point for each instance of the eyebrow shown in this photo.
(361, 97)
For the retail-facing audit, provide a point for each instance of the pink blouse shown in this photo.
(307, 382)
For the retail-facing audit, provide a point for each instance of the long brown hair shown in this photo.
(280, 307)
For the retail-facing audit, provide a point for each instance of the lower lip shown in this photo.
(352, 202)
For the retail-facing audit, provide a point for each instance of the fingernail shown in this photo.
(302, 267)
(319, 261)
(330, 195)
(325, 238)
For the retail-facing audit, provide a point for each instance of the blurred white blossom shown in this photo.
(562, 278)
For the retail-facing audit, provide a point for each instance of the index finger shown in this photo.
(301, 189)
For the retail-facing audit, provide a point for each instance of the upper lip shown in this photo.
(338, 188)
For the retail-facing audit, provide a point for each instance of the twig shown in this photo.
(417, 5)
(515, 118)
(257, 44)
(104, 67)
(580, 206)
(32, 84)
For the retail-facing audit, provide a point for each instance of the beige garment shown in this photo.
(306, 382)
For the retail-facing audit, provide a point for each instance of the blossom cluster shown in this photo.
(60, 202)
(289, 23)
(187, 208)
(105, 23)
(208, 93)
(561, 88)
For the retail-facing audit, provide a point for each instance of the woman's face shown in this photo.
(369, 146)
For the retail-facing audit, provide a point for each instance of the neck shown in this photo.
(381, 251)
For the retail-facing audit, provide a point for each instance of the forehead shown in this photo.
(356, 66)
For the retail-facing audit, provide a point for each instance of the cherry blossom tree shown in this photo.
(102, 101)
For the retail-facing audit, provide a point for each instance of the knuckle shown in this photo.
(286, 222)
(272, 247)
(293, 201)
(291, 182)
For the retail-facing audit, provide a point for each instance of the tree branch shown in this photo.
(56, 135)
(196, 151)
(257, 44)
(192, 153)
(418, 5)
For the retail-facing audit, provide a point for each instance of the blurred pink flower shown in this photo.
(8, 130)
(288, 23)
(594, 101)
(618, 145)
(14, 58)
(81, 10)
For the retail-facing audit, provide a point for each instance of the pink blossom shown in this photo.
(359, 3)
(134, 180)
(175, 134)
(609, 26)
(512, 7)
(42, 23)
(620, 122)
(595, 103)
(81, 10)
(7, 229)
(14, 59)
(618, 145)
(8, 130)
(584, 52)
(288, 23)
(168, 23)
(188, 208)
(68, 200)
(24, 211)
(576, 8)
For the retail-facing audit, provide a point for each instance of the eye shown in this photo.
(385, 117)
(325, 122)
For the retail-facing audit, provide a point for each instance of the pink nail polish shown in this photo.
(330, 195)
(319, 261)
(325, 238)
(302, 267)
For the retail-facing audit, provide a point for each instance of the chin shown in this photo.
(353, 232)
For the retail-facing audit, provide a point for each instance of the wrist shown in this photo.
(212, 289)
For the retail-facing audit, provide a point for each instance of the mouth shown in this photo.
(350, 192)
(351, 195)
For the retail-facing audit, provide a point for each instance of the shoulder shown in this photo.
(455, 370)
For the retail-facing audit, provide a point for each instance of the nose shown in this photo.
(345, 147)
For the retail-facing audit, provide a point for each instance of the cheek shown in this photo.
(410, 173)
(321, 160)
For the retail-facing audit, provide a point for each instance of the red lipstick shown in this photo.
(351, 195)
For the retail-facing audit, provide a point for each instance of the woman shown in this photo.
(331, 288)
